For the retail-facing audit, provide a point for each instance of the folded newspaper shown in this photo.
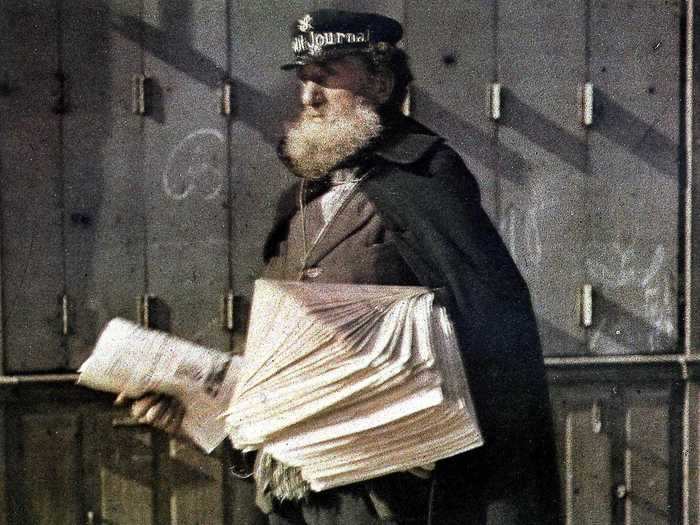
(130, 359)
(345, 383)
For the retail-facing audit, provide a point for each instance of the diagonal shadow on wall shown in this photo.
(636, 136)
(611, 120)
(473, 141)
(617, 124)
(615, 331)
(259, 108)
(546, 134)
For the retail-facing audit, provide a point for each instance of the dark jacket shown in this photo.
(417, 217)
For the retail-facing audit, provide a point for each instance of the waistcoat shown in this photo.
(354, 246)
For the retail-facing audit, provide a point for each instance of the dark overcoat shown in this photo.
(414, 218)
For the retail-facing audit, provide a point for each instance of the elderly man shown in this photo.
(383, 200)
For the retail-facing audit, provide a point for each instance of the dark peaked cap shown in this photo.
(329, 33)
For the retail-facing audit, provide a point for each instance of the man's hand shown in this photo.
(158, 410)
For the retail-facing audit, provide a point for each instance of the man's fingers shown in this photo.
(140, 407)
(171, 417)
(166, 413)
(157, 412)
(122, 398)
(160, 411)
(152, 411)
(173, 426)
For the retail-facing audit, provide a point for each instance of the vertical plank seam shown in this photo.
(689, 74)
(60, 110)
(3, 6)
(141, 154)
(587, 77)
(4, 500)
(569, 485)
(495, 77)
(229, 165)
(628, 466)
(227, 492)
(688, 296)
(685, 504)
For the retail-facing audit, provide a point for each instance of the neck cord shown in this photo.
(302, 191)
(302, 212)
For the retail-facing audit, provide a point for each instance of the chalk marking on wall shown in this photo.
(199, 169)
(617, 266)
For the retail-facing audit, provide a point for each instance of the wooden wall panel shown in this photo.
(585, 447)
(127, 475)
(632, 191)
(31, 188)
(185, 167)
(104, 211)
(46, 469)
(265, 97)
(619, 452)
(541, 215)
(4, 474)
(392, 8)
(692, 148)
(691, 454)
(195, 485)
(452, 50)
(648, 458)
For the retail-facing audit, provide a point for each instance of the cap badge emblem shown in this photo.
(305, 24)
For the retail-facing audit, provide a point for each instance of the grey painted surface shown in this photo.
(104, 208)
(694, 246)
(454, 62)
(585, 455)
(616, 453)
(632, 255)
(541, 216)
(185, 167)
(45, 470)
(573, 205)
(33, 278)
(4, 510)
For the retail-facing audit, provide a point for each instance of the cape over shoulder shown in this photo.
(424, 192)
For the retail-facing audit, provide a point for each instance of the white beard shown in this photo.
(312, 147)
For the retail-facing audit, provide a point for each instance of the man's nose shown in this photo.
(312, 94)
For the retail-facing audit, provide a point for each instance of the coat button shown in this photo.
(313, 273)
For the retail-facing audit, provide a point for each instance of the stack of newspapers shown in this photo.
(349, 382)
(339, 382)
